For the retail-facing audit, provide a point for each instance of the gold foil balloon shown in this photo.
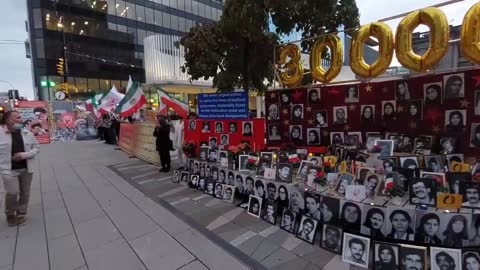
(293, 74)
(470, 36)
(436, 20)
(336, 61)
(384, 35)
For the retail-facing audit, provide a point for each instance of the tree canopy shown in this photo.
(237, 51)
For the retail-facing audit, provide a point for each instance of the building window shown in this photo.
(120, 8)
(208, 13)
(131, 11)
(166, 3)
(181, 4)
(188, 6)
(111, 7)
(122, 28)
(93, 85)
(40, 48)
(37, 18)
(149, 17)
(140, 10)
(81, 85)
(201, 9)
(166, 20)
(104, 85)
(194, 7)
(174, 20)
(141, 36)
(158, 17)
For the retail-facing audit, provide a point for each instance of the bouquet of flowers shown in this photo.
(320, 179)
(252, 163)
(188, 148)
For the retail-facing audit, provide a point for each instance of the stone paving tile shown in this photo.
(336, 263)
(279, 237)
(297, 263)
(195, 265)
(279, 257)
(319, 256)
(116, 255)
(304, 249)
(65, 253)
(265, 249)
(230, 231)
(248, 247)
(96, 233)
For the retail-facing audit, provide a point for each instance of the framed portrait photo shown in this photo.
(203, 154)
(192, 125)
(284, 172)
(432, 93)
(296, 113)
(224, 139)
(471, 258)
(343, 181)
(247, 129)
(307, 229)
(194, 181)
(401, 90)
(296, 134)
(373, 221)
(209, 187)
(373, 184)
(389, 109)
(455, 121)
(313, 136)
(267, 155)
(320, 118)
(340, 116)
(176, 176)
(273, 112)
(184, 178)
(445, 258)
(413, 256)
(303, 169)
(454, 157)
(410, 162)
(477, 102)
(386, 147)
(205, 127)
(367, 113)
(313, 96)
(356, 250)
(439, 178)
(386, 256)
(337, 138)
(351, 94)
(274, 132)
(218, 127)
(263, 164)
(270, 213)
(475, 135)
(254, 206)
(455, 180)
(228, 193)
(471, 194)
(331, 238)
(454, 86)
(414, 109)
(219, 190)
(423, 191)
(242, 162)
(288, 220)
(404, 230)
(434, 163)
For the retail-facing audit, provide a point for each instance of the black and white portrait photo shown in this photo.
(475, 135)
(367, 114)
(320, 119)
(343, 181)
(373, 183)
(445, 259)
(413, 257)
(288, 220)
(203, 154)
(210, 188)
(313, 136)
(205, 127)
(340, 115)
(432, 93)
(337, 138)
(415, 109)
(274, 132)
(242, 162)
(400, 223)
(296, 113)
(331, 238)
(351, 215)
(438, 178)
(434, 163)
(448, 145)
(271, 191)
(428, 228)
(218, 127)
(254, 206)
(373, 222)
(356, 250)
(353, 139)
(313, 96)
(471, 194)
(454, 180)
(263, 164)
(389, 109)
(224, 139)
(307, 229)
(267, 155)
(176, 177)
(284, 172)
(454, 157)
(454, 86)
(330, 210)
(297, 202)
(212, 155)
(260, 190)
(423, 191)
(471, 260)
(312, 205)
(351, 94)
(194, 181)
(247, 129)
(270, 213)
(240, 183)
(184, 178)
(409, 162)
(201, 184)
(386, 147)
(192, 125)
(228, 193)
(215, 173)
(454, 229)
(219, 190)
(389, 162)
(371, 140)
(232, 128)
(213, 142)
(285, 98)
(296, 135)
(273, 113)
(303, 169)
(455, 121)
(315, 160)
(401, 90)
(386, 256)
(477, 102)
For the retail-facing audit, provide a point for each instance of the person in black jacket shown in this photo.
(163, 142)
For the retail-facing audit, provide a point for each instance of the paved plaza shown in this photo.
(93, 207)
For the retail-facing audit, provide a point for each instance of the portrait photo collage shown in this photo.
(442, 106)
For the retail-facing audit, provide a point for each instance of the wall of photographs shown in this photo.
(441, 106)
(224, 133)
(361, 231)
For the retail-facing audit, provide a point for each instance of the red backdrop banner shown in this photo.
(236, 130)
(35, 113)
(421, 106)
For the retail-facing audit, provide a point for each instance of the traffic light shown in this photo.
(60, 66)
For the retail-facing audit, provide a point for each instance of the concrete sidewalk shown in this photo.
(85, 216)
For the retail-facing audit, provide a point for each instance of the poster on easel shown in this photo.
(35, 119)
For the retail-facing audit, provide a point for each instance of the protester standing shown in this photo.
(163, 142)
(18, 148)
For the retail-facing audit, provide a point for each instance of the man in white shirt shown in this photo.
(18, 148)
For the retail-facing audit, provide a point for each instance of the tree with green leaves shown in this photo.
(237, 51)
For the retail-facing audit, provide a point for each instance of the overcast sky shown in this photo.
(16, 69)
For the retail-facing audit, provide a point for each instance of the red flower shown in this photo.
(320, 174)
(326, 164)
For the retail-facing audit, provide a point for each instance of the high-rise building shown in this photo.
(86, 46)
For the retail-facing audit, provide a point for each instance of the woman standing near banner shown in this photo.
(163, 142)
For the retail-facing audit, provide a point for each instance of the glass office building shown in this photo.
(102, 41)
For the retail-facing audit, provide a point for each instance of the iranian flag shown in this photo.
(134, 100)
(110, 101)
(167, 101)
(92, 104)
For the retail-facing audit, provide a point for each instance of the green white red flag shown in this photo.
(134, 100)
(167, 101)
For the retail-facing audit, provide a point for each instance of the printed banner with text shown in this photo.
(225, 106)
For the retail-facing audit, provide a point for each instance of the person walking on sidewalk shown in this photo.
(163, 142)
(18, 149)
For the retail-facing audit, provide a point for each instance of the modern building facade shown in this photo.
(101, 41)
